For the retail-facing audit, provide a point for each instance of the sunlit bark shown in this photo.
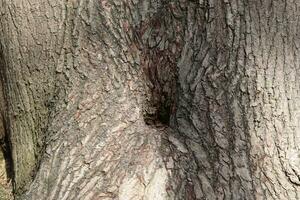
(152, 99)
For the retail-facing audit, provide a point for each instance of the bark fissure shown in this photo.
(153, 99)
(5, 143)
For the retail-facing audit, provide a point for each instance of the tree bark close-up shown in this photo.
(151, 99)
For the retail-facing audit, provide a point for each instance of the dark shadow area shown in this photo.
(6, 171)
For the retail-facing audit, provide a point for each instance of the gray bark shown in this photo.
(152, 99)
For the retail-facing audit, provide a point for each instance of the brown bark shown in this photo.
(152, 99)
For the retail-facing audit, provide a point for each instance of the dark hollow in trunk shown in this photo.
(152, 99)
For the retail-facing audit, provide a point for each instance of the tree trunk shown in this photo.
(152, 99)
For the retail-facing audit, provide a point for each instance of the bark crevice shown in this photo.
(5, 143)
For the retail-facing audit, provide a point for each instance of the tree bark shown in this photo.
(152, 99)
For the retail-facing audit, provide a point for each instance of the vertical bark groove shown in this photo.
(153, 99)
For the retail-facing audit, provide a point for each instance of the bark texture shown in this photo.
(152, 99)
(29, 50)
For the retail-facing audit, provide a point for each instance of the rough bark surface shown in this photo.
(29, 49)
(152, 99)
